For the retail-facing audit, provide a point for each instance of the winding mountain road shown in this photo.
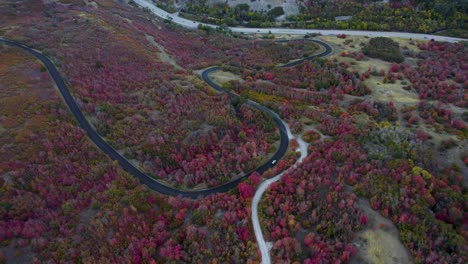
(285, 134)
(135, 171)
(153, 183)
(264, 250)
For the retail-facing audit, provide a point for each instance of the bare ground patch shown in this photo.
(355, 43)
(162, 53)
(222, 77)
(380, 242)
(380, 91)
(387, 92)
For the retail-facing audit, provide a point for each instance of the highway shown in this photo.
(175, 18)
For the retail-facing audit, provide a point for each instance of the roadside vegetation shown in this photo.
(393, 134)
(444, 17)
(385, 49)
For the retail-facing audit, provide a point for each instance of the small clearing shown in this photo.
(222, 77)
(381, 91)
(387, 92)
(356, 42)
(17, 254)
(162, 53)
(380, 242)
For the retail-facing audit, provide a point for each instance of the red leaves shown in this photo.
(422, 136)
(433, 113)
(309, 239)
(268, 76)
(180, 216)
(243, 233)
(255, 179)
(310, 136)
(403, 218)
(246, 191)
(394, 68)
(285, 249)
(440, 62)
(322, 210)
(171, 251)
(363, 219)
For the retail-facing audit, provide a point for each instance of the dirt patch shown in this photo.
(91, 4)
(452, 155)
(162, 53)
(383, 248)
(387, 92)
(339, 43)
(222, 77)
(455, 154)
(17, 254)
(380, 91)
(87, 215)
(287, 36)
(380, 242)
(355, 43)
(315, 128)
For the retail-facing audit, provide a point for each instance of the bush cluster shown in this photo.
(385, 49)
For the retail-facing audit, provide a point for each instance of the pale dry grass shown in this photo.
(222, 77)
(379, 243)
(380, 91)
(163, 56)
(390, 92)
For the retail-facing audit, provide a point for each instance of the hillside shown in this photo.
(375, 168)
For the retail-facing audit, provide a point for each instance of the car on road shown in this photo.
(273, 162)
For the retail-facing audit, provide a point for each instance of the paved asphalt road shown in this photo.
(129, 167)
(194, 24)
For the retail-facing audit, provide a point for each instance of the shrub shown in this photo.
(310, 136)
(341, 36)
(276, 12)
(384, 49)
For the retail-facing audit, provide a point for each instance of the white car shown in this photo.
(273, 162)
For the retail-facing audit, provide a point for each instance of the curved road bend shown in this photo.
(328, 50)
(132, 169)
